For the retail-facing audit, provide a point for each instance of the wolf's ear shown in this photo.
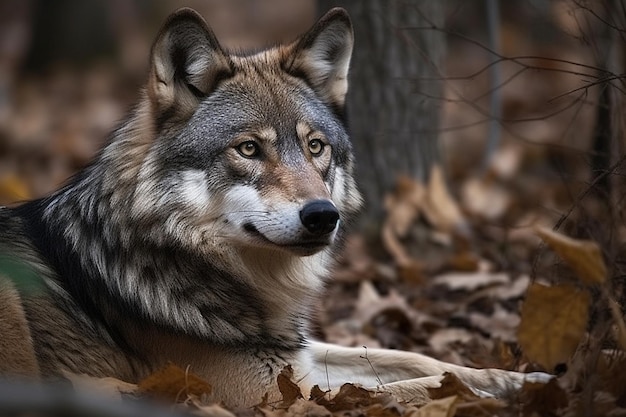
(186, 61)
(322, 57)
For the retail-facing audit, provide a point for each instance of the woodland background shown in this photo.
(490, 145)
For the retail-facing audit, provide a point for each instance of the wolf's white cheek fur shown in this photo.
(195, 189)
(242, 201)
(337, 192)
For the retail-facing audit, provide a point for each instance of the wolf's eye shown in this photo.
(249, 149)
(316, 146)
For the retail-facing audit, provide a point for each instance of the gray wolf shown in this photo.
(202, 232)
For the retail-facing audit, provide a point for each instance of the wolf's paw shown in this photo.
(500, 383)
(538, 377)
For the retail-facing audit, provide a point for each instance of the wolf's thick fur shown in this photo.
(202, 232)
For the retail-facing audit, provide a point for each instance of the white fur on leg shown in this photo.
(407, 375)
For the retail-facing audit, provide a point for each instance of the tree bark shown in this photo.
(393, 110)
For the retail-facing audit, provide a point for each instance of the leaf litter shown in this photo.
(490, 315)
(451, 283)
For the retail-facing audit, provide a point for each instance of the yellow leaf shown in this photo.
(583, 256)
(444, 407)
(172, 383)
(13, 189)
(554, 320)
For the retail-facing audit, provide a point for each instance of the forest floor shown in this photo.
(518, 267)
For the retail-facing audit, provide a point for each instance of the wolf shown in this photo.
(202, 233)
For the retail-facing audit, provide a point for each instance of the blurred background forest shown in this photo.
(518, 103)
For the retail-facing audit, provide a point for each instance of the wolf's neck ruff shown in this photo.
(181, 290)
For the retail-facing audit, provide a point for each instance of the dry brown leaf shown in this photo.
(349, 397)
(466, 402)
(440, 208)
(554, 320)
(403, 209)
(470, 281)
(464, 261)
(303, 408)
(174, 384)
(444, 407)
(583, 256)
(451, 385)
(515, 290)
(611, 369)
(483, 407)
(380, 410)
(289, 389)
(412, 272)
(318, 394)
(375, 310)
(501, 324)
(543, 399)
(506, 161)
(485, 199)
(442, 339)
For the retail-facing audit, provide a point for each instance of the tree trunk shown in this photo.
(393, 109)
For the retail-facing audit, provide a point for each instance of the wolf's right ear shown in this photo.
(322, 57)
(186, 62)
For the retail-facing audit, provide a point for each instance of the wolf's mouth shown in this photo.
(302, 247)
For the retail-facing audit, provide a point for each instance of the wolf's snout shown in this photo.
(319, 217)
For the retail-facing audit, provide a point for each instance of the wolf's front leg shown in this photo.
(406, 374)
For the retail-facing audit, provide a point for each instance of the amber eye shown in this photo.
(249, 149)
(316, 146)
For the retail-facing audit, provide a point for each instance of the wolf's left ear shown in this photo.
(186, 62)
(322, 57)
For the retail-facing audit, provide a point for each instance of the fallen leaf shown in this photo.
(371, 304)
(412, 272)
(13, 189)
(289, 389)
(554, 320)
(499, 325)
(440, 208)
(470, 281)
(303, 408)
(543, 399)
(485, 199)
(349, 397)
(464, 261)
(515, 290)
(444, 407)
(403, 209)
(482, 407)
(583, 256)
(174, 384)
(451, 385)
(506, 161)
(442, 339)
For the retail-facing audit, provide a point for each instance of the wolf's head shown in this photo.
(246, 149)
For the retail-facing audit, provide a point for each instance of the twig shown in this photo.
(380, 382)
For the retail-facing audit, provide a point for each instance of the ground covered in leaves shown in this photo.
(516, 266)
(446, 283)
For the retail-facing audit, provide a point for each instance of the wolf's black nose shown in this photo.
(320, 217)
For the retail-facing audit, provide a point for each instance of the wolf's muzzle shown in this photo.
(319, 217)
